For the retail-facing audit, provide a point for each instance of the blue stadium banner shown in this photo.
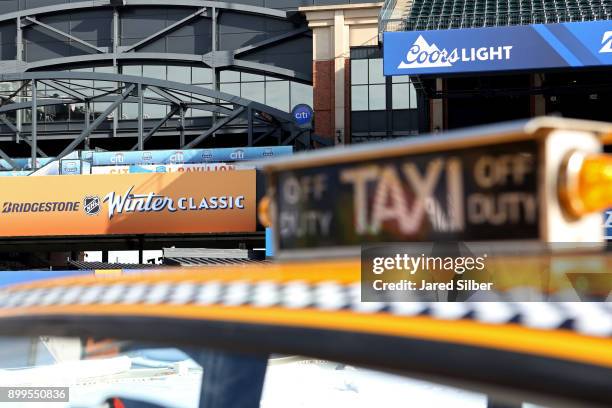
(25, 163)
(216, 155)
(14, 173)
(535, 46)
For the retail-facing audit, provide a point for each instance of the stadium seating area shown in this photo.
(444, 14)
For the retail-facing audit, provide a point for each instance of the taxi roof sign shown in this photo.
(489, 183)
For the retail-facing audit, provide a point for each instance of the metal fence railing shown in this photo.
(387, 11)
(497, 18)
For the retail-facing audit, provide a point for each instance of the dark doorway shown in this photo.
(488, 99)
(582, 95)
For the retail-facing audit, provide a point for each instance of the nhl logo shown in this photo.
(91, 205)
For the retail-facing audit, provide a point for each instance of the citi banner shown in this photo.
(25, 163)
(535, 46)
(155, 203)
(167, 168)
(185, 156)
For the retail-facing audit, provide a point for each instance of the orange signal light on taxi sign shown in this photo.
(586, 183)
(263, 211)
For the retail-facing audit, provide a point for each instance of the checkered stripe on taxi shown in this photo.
(593, 319)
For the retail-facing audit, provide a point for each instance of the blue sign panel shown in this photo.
(302, 115)
(269, 242)
(217, 155)
(14, 173)
(8, 278)
(70, 166)
(25, 163)
(510, 48)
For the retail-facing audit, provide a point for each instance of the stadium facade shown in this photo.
(567, 37)
(139, 74)
(120, 75)
(134, 74)
(356, 99)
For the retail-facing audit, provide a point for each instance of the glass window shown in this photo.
(107, 70)
(41, 89)
(253, 91)
(99, 108)
(207, 86)
(413, 96)
(197, 112)
(77, 111)
(55, 113)
(359, 72)
(229, 76)
(179, 74)
(150, 94)
(372, 96)
(377, 97)
(154, 71)
(8, 87)
(83, 86)
(400, 96)
(233, 89)
(154, 111)
(376, 71)
(201, 75)
(271, 78)
(396, 79)
(245, 77)
(300, 93)
(277, 95)
(103, 87)
(132, 70)
(359, 98)
(129, 111)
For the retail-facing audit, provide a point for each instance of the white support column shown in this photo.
(341, 49)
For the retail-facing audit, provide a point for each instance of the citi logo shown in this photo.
(177, 157)
(117, 158)
(424, 55)
(237, 154)
(606, 42)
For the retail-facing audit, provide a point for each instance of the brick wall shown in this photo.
(323, 97)
(347, 101)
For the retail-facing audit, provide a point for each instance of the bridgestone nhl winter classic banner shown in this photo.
(154, 203)
(510, 48)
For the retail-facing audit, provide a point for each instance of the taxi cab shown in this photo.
(307, 329)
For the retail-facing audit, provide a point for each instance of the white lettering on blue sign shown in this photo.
(424, 55)
(606, 41)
